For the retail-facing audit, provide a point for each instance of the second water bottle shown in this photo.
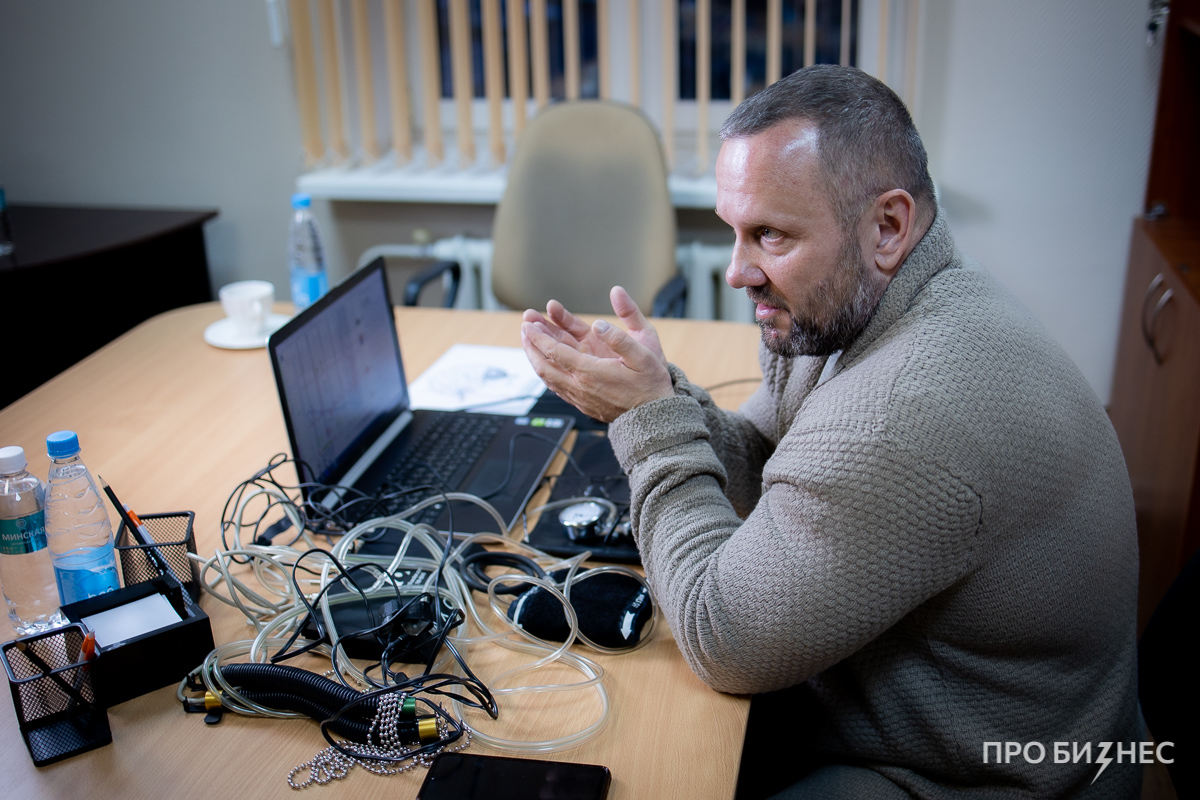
(78, 530)
(306, 259)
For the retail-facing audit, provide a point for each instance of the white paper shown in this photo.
(479, 378)
(132, 619)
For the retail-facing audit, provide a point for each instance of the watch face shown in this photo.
(581, 515)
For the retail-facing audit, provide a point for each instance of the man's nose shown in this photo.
(741, 271)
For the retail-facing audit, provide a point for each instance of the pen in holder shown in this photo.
(166, 555)
(53, 696)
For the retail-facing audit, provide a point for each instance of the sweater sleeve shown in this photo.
(850, 535)
(741, 442)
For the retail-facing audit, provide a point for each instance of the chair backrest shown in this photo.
(586, 207)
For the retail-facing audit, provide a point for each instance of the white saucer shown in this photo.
(221, 333)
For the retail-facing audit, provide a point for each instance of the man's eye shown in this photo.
(769, 233)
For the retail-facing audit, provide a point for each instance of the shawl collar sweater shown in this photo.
(939, 539)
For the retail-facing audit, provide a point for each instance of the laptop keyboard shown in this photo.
(440, 459)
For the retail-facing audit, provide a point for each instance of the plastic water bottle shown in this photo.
(26, 574)
(77, 527)
(306, 260)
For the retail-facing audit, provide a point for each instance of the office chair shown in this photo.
(586, 206)
(1167, 676)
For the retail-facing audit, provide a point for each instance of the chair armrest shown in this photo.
(413, 288)
(671, 299)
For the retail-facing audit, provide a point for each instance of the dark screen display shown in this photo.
(459, 776)
(341, 380)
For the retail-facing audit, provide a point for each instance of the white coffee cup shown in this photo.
(247, 304)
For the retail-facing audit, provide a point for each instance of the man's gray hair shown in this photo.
(866, 141)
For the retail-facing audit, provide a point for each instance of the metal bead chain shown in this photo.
(331, 764)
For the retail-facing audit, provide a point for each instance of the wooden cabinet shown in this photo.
(1156, 399)
(87, 275)
(1156, 387)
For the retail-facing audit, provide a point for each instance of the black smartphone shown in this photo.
(462, 776)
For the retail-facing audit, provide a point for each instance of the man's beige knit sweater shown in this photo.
(939, 538)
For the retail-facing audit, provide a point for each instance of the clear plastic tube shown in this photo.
(275, 609)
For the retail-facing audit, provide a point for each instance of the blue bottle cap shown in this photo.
(62, 444)
(300, 200)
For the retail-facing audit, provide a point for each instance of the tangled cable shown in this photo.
(419, 610)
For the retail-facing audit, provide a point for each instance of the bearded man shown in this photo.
(921, 521)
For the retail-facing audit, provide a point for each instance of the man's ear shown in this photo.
(891, 230)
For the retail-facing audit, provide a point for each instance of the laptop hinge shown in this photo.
(368, 458)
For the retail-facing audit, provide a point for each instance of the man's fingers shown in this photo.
(550, 373)
(635, 321)
(535, 318)
(628, 310)
(601, 386)
(632, 353)
(562, 355)
(542, 367)
(564, 319)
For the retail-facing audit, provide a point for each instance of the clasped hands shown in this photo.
(599, 368)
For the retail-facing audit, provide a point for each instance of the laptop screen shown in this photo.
(340, 378)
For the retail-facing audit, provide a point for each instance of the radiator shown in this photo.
(703, 265)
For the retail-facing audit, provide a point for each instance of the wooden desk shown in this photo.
(174, 424)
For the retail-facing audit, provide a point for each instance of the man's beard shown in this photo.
(836, 313)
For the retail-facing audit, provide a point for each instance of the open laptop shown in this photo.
(345, 401)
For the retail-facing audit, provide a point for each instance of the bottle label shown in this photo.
(308, 287)
(22, 535)
(85, 573)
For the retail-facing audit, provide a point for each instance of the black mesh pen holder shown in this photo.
(53, 695)
(166, 555)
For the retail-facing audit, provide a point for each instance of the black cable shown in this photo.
(434, 629)
(281, 677)
(310, 513)
(453, 727)
(512, 445)
(350, 713)
(378, 500)
(474, 564)
(356, 507)
(315, 517)
(323, 636)
(441, 624)
(357, 730)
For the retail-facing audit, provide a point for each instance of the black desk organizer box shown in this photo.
(54, 695)
(162, 657)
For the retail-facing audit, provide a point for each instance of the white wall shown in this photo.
(153, 103)
(1037, 115)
